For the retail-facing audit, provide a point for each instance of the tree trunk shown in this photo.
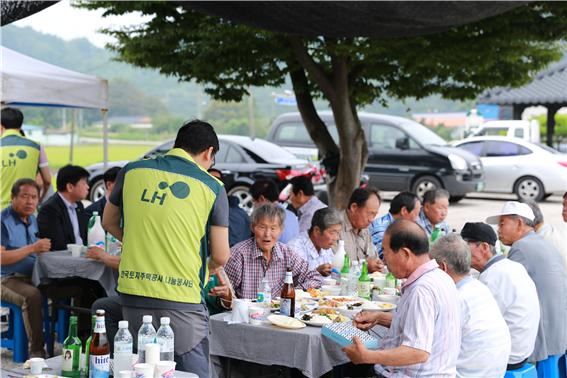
(353, 150)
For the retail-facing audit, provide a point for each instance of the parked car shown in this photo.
(402, 154)
(512, 165)
(241, 160)
(526, 130)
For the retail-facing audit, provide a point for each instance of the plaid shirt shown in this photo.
(428, 227)
(377, 229)
(246, 269)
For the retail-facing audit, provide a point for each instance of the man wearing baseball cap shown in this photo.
(546, 268)
(511, 287)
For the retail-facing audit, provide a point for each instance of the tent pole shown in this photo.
(105, 138)
(73, 125)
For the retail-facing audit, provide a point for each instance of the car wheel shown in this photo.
(242, 192)
(529, 188)
(455, 199)
(97, 190)
(425, 183)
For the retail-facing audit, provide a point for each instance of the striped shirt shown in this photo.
(427, 318)
(424, 222)
(305, 212)
(247, 267)
(377, 229)
(485, 339)
(305, 248)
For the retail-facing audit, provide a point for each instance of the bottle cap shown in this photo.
(164, 320)
(73, 319)
(123, 324)
(95, 213)
(342, 242)
(147, 319)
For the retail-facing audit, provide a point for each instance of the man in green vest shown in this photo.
(170, 215)
(21, 157)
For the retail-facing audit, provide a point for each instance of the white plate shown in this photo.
(378, 306)
(318, 321)
(285, 322)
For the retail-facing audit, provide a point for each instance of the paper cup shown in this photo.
(379, 282)
(239, 311)
(152, 353)
(256, 314)
(165, 369)
(36, 365)
(76, 249)
(144, 371)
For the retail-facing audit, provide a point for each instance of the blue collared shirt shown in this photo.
(428, 227)
(17, 234)
(377, 229)
(72, 210)
(291, 226)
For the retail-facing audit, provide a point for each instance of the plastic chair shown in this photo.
(15, 338)
(526, 371)
(548, 368)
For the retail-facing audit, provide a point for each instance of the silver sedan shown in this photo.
(512, 165)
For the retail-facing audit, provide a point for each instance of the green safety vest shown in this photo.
(20, 159)
(166, 207)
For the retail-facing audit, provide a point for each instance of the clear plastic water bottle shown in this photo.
(166, 340)
(123, 345)
(95, 233)
(353, 279)
(146, 334)
(265, 291)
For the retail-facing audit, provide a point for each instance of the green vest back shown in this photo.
(20, 159)
(166, 205)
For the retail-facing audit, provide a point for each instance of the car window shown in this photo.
(220, 157)
(421, 133)
(497, 148)
(474, 148)
(233, 156)
(383, 137)
(519, 133)
(495, 131)
(162, 149)
(296, 132)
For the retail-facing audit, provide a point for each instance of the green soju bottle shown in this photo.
(390, 280)
(72, 352)
(88, 347)
(435, 234)
(364, 282)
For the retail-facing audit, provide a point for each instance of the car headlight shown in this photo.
(458, 162)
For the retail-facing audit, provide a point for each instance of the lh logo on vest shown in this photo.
(179, 190)
(21, 154)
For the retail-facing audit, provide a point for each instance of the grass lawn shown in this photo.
(84, 155)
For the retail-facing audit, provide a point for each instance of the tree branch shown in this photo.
(314, 70)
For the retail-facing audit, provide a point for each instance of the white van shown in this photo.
(526, 130)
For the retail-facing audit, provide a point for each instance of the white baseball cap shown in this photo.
(512, 208)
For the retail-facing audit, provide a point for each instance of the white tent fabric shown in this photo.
(28, 81)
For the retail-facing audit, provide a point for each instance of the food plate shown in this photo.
(314, 320)
(378, 306)
(285, 322)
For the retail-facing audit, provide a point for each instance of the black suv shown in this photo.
(402, 154)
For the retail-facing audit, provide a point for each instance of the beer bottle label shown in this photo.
(285, 306)
(100, 366)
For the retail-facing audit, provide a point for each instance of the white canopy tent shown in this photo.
(31, 82)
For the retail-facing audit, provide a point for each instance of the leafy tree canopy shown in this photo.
(228, 57)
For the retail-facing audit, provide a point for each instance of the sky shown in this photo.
(69, 23)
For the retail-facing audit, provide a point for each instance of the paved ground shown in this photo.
(471, 209)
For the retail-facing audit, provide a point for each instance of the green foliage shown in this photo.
(229, 57)
(560, 125)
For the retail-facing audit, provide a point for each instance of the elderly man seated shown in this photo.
(263, 256)
(363, 206)
(19, 248)
(404, 205)
(315, 245)
(485, 339)
(424, 333)
(434, 211)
